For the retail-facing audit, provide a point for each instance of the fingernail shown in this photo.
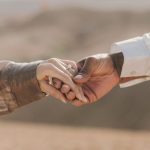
(78, 77)
(64, 101)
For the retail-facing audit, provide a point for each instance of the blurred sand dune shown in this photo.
(25, 6)
(56, 32)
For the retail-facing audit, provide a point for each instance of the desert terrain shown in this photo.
(47, 137)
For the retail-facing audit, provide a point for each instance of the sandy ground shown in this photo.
(44, 137)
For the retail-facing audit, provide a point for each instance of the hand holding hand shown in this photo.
(56, 68)
(96, 75)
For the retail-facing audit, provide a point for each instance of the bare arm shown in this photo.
(18, 85)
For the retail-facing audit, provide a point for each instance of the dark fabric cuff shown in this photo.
(21, 79)
(118, 60)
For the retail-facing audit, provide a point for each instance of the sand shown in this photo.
(22, 136)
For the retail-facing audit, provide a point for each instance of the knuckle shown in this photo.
(91, 59)
(52, 60)
(45, 66)
(74, 64)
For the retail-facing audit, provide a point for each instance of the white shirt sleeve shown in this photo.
(136, 53)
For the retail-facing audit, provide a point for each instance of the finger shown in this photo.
(84, 99)
(80, 64)
(60, 66)
(65, 88)
(54, 72)
(69, 66)
(86, 71)
(89, 93)
(77, 103)
(69, 62)
(50, 90)
(71, 96)
(57, 83)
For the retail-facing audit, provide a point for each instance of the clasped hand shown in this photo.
(78, 83)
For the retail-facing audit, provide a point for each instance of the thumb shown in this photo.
(85, 72)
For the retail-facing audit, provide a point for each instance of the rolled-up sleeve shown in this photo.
(136, 54)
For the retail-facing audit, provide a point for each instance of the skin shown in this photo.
(81, 83)
(84, 83)
(96, 75)
(56, 68)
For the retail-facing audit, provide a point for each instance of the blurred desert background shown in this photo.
(33, 30)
